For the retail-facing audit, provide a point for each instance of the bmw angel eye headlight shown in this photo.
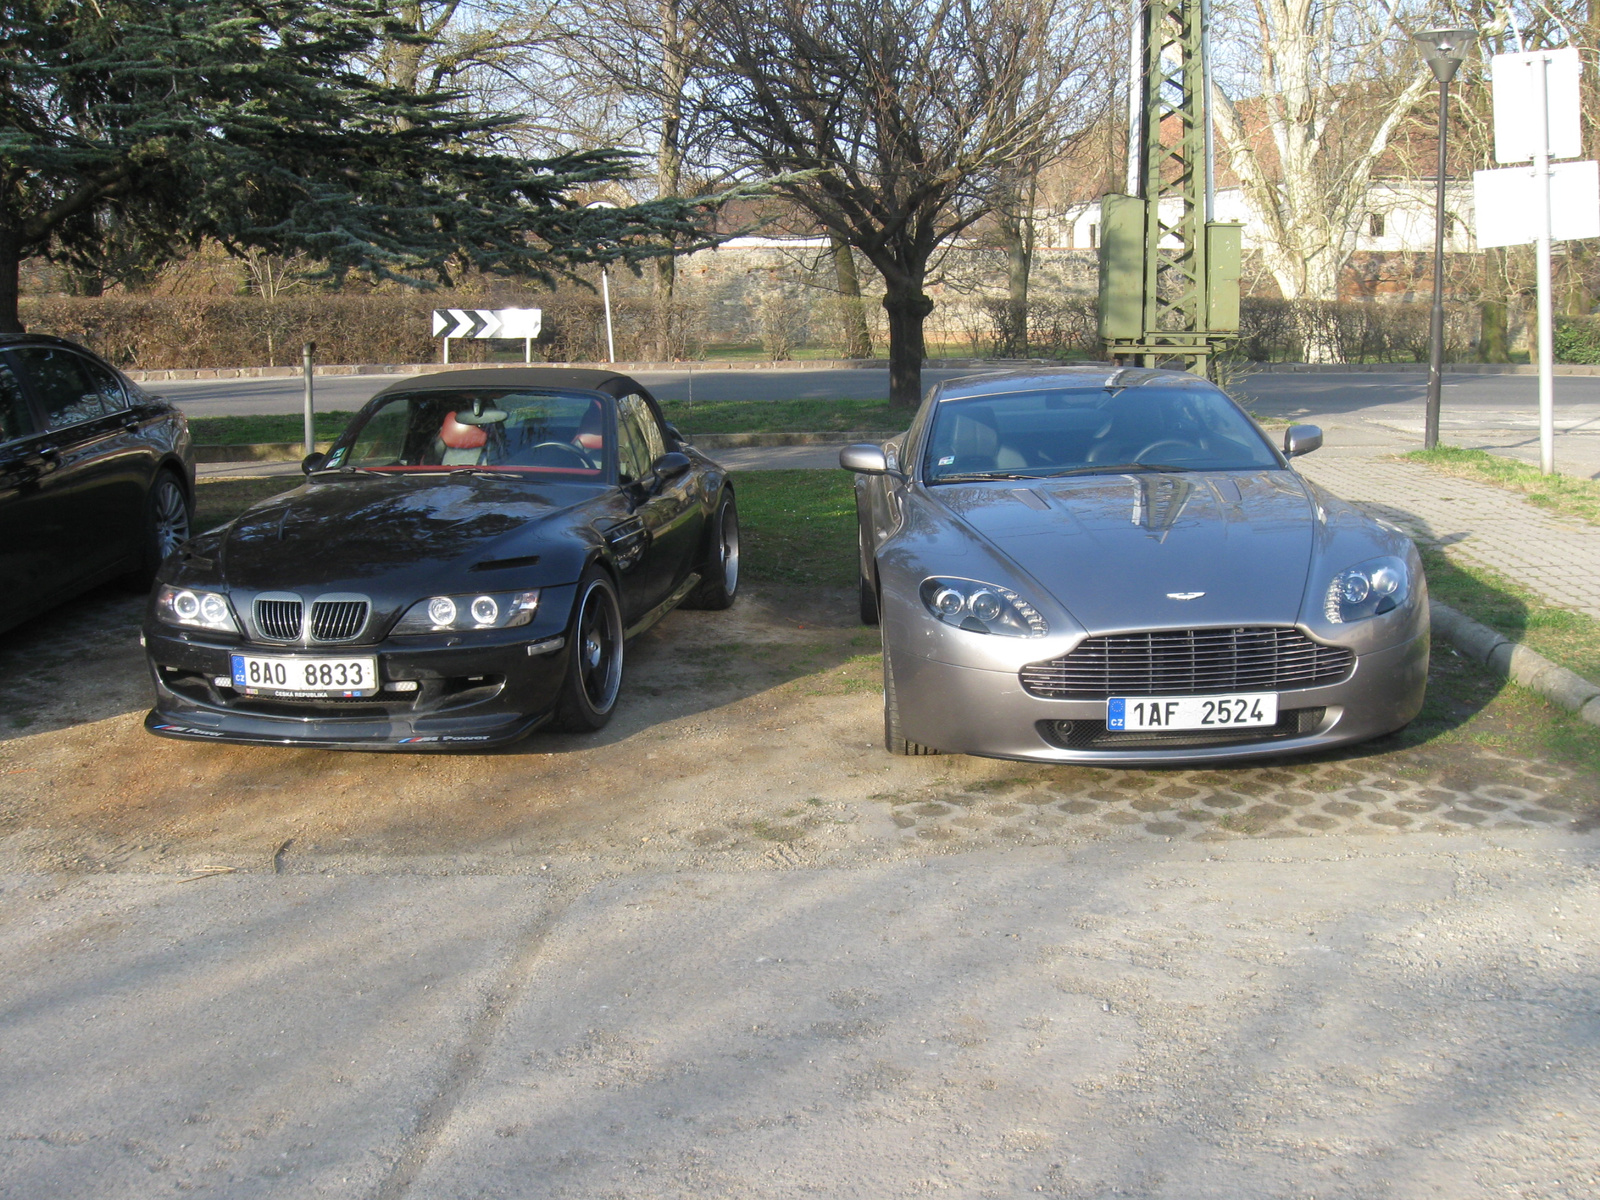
(1369, 589)
(982, 608)
(483, 610)
(194, 609)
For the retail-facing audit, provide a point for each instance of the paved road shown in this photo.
(1495, 412)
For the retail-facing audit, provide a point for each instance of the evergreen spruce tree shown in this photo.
(246, 121)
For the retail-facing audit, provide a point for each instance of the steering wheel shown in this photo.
(1174, 443)
(563, 448)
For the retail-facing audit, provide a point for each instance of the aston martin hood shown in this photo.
(363, 529)
(1154, 550)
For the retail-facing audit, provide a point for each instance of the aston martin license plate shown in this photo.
(275, 675)
(1125, 714)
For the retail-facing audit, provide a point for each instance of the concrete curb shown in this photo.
(1511, 660)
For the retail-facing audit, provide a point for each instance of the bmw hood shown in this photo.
(369, 530)
(1156, 551)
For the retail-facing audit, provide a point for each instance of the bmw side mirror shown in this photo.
(1301, 439)
(669, 466)
(311, 462)
(676, 435)
(864, 458)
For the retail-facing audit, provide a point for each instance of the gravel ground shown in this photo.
(730, 948)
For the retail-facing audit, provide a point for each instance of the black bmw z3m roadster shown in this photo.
(465, 565)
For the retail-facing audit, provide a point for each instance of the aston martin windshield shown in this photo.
(499, 430)
(1079, 431)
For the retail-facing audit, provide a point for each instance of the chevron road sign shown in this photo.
(522, 323)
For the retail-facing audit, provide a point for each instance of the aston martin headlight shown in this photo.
(483, 610)
(194, 609)
(1368, 589)
(982, 608)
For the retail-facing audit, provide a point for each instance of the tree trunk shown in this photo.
(852, 313)
(10, 281)
(907, 308)
(1492, 339)
(1018, 234)
(669, 160)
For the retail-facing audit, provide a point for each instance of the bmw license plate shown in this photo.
(275, 675)
(1125, 714)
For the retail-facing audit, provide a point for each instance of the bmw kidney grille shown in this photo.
(333, 618)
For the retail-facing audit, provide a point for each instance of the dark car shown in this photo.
(464, 565)
(96, 476)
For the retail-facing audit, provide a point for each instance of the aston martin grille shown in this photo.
(1187, 662)
(337, 620)
(279, 619)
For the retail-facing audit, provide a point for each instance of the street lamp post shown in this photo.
(1444, 50)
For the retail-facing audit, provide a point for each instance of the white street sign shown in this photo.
(487, 322)
(1517, 120)
(1507, 204)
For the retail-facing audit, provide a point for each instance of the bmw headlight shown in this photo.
(1369, 589)
(485, 610)
(981, 608)
(194, 609)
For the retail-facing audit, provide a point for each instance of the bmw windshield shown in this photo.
(492, 430)
(1089, 431)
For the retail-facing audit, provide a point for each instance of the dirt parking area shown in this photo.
(729, 947)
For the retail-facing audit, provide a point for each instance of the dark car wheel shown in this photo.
(868, 589)
(720, 574)
(594, 661)
(166, 525)
(893, 740)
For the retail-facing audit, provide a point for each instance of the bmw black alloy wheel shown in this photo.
(599, 646)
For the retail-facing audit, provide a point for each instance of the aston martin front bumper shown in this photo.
(971, 710)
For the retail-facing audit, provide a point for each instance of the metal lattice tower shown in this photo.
(1169, 275)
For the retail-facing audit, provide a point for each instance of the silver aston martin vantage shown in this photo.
(1117, 566)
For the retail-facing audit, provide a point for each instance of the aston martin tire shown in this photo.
(893, 740)
(719, 577)
(168, 515)
(867, 588)
(594, 658)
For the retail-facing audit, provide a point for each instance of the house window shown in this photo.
(1094, 236)
(1375, 225)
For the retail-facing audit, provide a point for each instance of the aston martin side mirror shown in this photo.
(1301, 439)
(311, 462)
(864, 458)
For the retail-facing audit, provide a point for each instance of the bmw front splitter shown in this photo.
(377, 735)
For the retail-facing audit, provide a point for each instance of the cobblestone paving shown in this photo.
(1300, 799)
(1557, 557)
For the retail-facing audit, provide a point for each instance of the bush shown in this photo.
(1577, 340)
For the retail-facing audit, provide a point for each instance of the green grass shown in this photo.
(797, 527)
(1565, 637)
(1558, 493)
(276, 427)
(785, 416)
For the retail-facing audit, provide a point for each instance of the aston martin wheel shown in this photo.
(893, 740)
(594, 661)
(720, 575)
(166, 525)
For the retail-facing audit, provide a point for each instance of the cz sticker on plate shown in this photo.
(1127, 714)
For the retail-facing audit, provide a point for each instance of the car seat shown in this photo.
(463, 444)
(975, 442)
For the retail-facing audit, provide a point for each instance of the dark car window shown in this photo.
(65, 391)
(112, 397)
(649, 428)
(504, 429)
(15, 419)
(633, 455)
(1084, 430)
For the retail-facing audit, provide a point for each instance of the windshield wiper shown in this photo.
(1115, 469)
(489, 471)
(980, 477)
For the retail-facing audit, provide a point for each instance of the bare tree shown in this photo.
(890, 122)
(1333, 80)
